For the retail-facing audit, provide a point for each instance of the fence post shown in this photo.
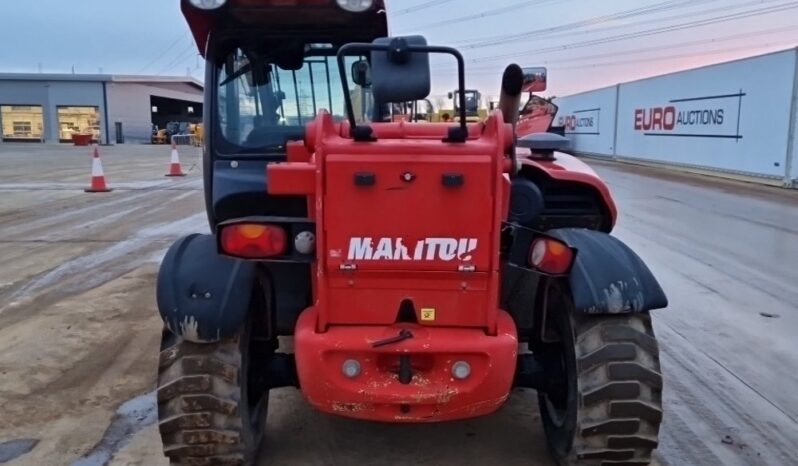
(789, 182)
(615, 127)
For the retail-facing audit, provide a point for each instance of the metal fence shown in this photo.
(187, 140)
(737, 118)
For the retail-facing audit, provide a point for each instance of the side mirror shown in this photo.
(534, 79)
(279, 95)
(361, 73)
(399, 74)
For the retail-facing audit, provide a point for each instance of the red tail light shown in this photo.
(550, 256)
(253, 240)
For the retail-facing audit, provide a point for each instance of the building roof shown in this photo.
(116, 78)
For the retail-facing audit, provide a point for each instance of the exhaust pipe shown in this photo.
(510, 96)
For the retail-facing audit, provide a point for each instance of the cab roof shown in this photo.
(292, 18)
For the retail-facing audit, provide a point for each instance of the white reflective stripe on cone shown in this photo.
(175, 159)
(96, 167)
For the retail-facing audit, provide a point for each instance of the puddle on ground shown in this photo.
(132, 416)
(16, 448)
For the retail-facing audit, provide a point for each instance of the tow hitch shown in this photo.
(404, 334)
(405, 368)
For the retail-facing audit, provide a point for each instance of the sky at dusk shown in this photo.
(585, 44)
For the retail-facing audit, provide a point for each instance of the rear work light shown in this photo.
(208, 4)
(355, 6)
(253, 240)
(550, 256)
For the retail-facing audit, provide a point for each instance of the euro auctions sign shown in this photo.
(581, 121)
(715, 116)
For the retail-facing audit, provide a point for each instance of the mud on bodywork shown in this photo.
(607, 277)
(202, 296)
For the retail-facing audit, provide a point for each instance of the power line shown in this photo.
(675, 56)
(657, 48)
(656, 8)
(554, 63)
(659, 20)
(420, 6)
(164, 52)
(486, 14)
(645, 33)
(672, 57)
(679, 44)
(179, 59)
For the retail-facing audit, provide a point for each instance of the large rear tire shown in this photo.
(606, 407)
(209, 413)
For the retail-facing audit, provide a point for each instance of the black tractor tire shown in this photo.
(607, 408)
(207, 413)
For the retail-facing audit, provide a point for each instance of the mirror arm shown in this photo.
(350, 112)
(460, 134)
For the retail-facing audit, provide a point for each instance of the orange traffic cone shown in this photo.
(97, 176)
(174, 166)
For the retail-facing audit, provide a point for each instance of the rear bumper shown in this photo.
(432, 394)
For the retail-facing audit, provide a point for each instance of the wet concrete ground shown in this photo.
(727, 255)
(79, 332)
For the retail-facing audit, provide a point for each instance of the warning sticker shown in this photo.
(427, 313)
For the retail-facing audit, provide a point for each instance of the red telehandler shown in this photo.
(391, 271)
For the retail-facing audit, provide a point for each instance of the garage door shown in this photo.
(22, 123)
(78, 120)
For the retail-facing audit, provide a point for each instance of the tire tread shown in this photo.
(619, 385)
(198, 403)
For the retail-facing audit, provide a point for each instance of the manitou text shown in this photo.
(427, 249)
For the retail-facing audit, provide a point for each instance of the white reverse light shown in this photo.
(538, 253)
(351, 368)
(355, 6)
(461, 370)
(208, 4)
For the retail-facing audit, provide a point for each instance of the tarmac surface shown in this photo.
(79, 331)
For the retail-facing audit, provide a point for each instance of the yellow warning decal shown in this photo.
(427, 313)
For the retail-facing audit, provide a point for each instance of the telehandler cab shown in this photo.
(422, 270)
(473, 107)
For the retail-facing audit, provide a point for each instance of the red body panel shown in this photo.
(410, 211)
(373, 298)
(296, 151)
(432, 395)
(392, 232)
(298, 178)
(398, 211)
(566, 167)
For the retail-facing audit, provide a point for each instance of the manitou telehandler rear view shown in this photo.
(421, 271)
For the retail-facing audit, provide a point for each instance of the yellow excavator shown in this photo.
(197, 132)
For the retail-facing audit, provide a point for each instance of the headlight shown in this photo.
(207, 4)
(355, 6)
